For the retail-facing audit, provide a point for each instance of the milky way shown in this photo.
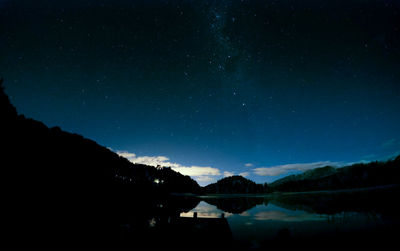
(230, 86)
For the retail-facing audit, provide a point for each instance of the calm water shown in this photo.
(333, 219)
(256, 220)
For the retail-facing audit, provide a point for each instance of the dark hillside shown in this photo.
(48, 173)
(373, 174)
(235, 185)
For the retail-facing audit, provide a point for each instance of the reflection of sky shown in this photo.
(263, 222)
(259, 213)
(282, 216)
(205, 210)
(272, 212)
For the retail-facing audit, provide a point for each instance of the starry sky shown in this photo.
(211, 88)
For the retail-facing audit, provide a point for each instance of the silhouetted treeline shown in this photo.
(57, 180)
(235, 185)
(55, 156)
(373, 174)
(355, 176)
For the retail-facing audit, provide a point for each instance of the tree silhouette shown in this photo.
(372, 174)
(235, 185)
(58, 180)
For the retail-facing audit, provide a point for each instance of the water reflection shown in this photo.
(260, 212)
(234, 205)
(378, 201)
(205, 210)
(292, 216)
(340, 218)
(169, 223)
(264, 221)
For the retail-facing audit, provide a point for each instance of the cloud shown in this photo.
(248, 165)
(227, 174)
(146, 160)
(196, 170)
(283, 169)
(202, 174)
(125, 154)
(204, 179)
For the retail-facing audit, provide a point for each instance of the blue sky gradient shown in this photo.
(213, 84)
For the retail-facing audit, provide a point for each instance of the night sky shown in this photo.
(211, 88)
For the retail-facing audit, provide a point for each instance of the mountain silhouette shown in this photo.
(58, 184)
(235, 185)
(369, 175)
(373, 174)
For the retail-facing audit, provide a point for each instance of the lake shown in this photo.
(357, 218)
(267, 221)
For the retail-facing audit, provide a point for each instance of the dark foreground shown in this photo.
(358, 219)
(144, 223)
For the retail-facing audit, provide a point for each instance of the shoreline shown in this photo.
(241, 195)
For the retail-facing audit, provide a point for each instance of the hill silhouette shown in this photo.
(373, 174)
(52, 155)
(60, 188)
(360, 175)
(316, 173)
(235, 185)
(48, 173)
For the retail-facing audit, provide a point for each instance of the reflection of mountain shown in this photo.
(287, 216)
(354, 176)
(179, 204)
(379, 200)
(235, 205)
